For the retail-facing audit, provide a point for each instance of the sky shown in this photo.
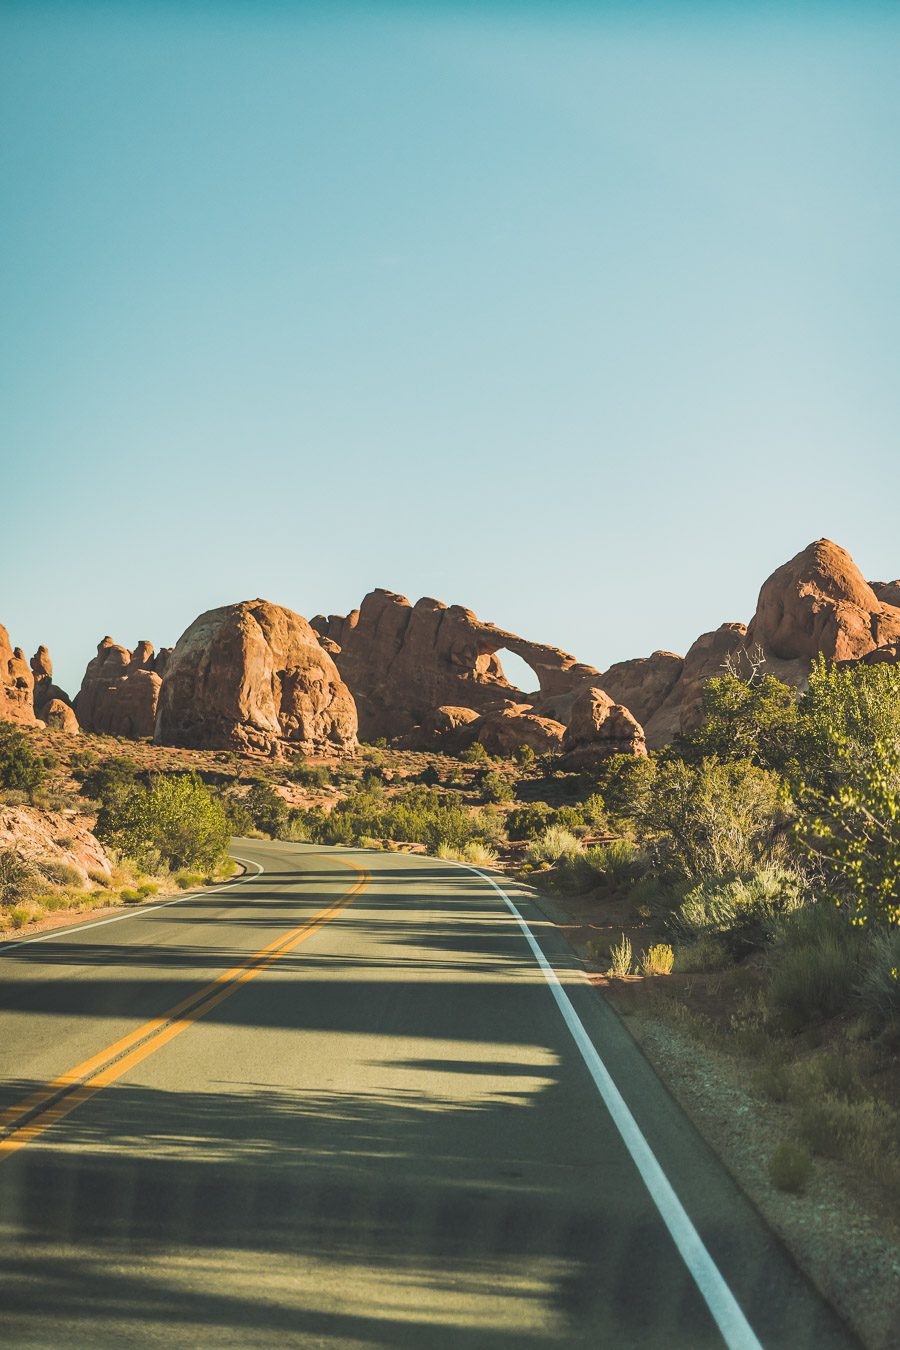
(584, 316)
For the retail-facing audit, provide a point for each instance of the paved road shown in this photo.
(338, 1105)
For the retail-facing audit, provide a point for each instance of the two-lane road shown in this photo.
(339, 1104)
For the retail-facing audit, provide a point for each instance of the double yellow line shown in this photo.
(21, 1123)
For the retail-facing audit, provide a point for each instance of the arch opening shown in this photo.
(519, 673)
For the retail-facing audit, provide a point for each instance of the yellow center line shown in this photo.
(73, 1087)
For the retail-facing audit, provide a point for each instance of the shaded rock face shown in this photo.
(403, 661)
(16, 684)
(120, 690)
(254, 676)
(502, 732)
(820, 602)
(644, 683)
(888, 592)
(598, 728)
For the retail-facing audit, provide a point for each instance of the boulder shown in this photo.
(819, 603)
(120, 690)
(682, 709)
(599, 728)
(887, 592)
(59, 716)
(502, 732)
(403, 661)
(644, 683)
(46, 693)
(16, 684)
(254, 676)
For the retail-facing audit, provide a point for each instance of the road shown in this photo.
(340, 1104)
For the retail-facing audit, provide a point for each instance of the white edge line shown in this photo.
(134, 913)
(724, 1307)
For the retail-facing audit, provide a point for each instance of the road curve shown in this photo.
(340, 1104)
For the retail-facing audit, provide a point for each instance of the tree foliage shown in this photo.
(20, 768)
(175, 819)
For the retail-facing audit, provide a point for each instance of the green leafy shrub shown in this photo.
(18, 917)
(624, 783)
(310, 775)
(110, 779)
(130, 896)
(790, 1168)
(176, 819)
(267, 809)
(711, 819)
(187, 881)
(525, 757)
(528, 821)
(475, 754)
(21, 770)
(59, 873)
(754, 720)
(496, 787)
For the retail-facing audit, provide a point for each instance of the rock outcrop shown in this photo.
(254, 676)
(598, 728)
(53, 836)
(16, 684)
(503, 731)
(643, 684)
(888, 592)
(120, 690)
(403, 661)
(819, 602)
(49, 699)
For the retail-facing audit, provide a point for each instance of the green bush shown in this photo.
(109, 780)
(59, 873)
(848, 717)
(496, 787)
(18, 917)
(756, 721)
(310, 775)
(525, 757)
(620, 863)
(267, 809)
(475, 754)
(790, 1168)
(240, 821)
(176, 820)
(21, 770)
(129, 896)
(188, 881)
(879, 987)
(554, 843)
(528, 821)
(624, 783)
(814, 965)
(419, 815)
(711, 819)
(743, 910)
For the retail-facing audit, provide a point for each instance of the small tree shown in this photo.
(267, 810)
(20, 768)
(176, 819)
(755, 720)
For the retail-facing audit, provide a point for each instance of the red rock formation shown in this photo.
(599, 728)
(16, 684)
(402, 661)
(820, 603)
(47, 695)
(59, 716)
(120, 690)
(502, 732)
(888, 592)
(644, 683)
(254, 676)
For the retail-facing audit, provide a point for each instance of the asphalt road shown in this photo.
(339, 1104)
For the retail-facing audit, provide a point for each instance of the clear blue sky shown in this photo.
(585, 316)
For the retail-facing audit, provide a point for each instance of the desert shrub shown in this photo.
(710, 819)
(528, 821)
(176, 819)
(475, 754)
(109, 780)
(846, 714)
(756, 721)
(59, 873)
(525, 757)
(496, 787)
(657, 960)
(480, 855)
(554, 843)
(814, 965)
(367, 841)
(593, 809)
(790, 1168)
(742, 910)
(18, 917)
(418, 815)
(267, 809)
(21, 770)
(186, 881)
(854, 830)
(310, 775)
(704, 956)
(130, 896)
(621, 958)
(240, 821)
(18, 877)
(624, 782)
(878, 989)
(619, 863)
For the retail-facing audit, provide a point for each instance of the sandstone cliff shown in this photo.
(120, 690)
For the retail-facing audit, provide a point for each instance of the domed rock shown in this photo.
(60, 717)
(503, 731)
(599, 728)
(819, 603)
(251, 676)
